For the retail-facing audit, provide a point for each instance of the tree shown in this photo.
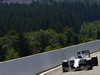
(48, 48)
(71, 36)
(62, 39)
(11, 54)
(23, 46)
(91, 29)
(98, 35)
(42, 38)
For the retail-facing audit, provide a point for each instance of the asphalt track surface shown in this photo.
(94, 71)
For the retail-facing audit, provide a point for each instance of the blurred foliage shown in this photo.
(15, 45)
(90, 31)
(46, 27)
(25, 18)
(11, 54)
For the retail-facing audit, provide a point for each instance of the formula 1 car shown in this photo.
(83, 61)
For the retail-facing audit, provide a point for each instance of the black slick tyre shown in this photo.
(65, 66)
(89, 65)
(95, 61)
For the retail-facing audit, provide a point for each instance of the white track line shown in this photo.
(50, 70)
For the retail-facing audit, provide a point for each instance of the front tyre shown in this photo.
(65, 70)
(65, 66)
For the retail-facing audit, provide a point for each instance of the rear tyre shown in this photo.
(89, 65)
(95, 61)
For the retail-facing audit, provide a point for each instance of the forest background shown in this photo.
(27, 29)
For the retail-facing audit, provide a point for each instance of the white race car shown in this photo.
(82, 61)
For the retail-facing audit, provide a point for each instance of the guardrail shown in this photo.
(32, 65)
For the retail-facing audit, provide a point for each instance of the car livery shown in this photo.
(82, 61)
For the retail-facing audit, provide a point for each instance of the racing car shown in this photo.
(83, 61)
